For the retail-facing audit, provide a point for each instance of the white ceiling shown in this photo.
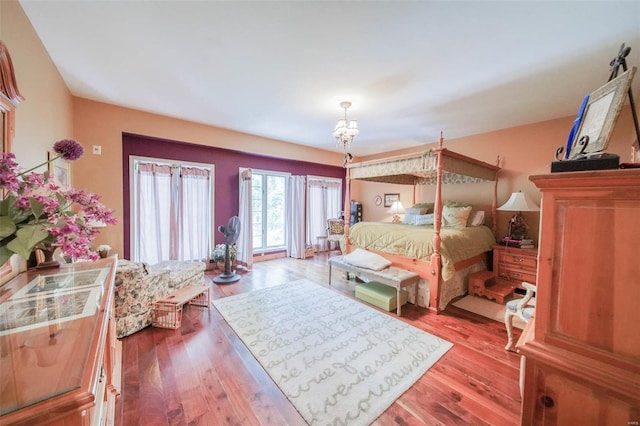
(281, 69)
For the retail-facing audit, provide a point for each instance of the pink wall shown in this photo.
(226, 164)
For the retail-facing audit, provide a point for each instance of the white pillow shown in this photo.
(477, 218)
(411, 213)
(365, 259)
(455, 217)
(423, 219)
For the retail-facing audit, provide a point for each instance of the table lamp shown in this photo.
(518, 202)
(396, 210)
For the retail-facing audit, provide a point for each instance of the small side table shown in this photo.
(483, 283)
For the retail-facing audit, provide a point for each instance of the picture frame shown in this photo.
(48, 309)
(390, 198)
(600, 116)
(60, 169)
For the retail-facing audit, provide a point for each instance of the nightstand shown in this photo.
(512, 265)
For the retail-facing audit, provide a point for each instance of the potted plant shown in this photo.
(103, 250)
(217, 255)
(37, 213)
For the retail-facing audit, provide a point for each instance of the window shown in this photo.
(172, 210)
(268, 195)
(324, 198)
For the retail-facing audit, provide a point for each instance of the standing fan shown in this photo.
(230, 231)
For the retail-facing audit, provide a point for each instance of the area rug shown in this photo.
(487, 308)
(337, 360)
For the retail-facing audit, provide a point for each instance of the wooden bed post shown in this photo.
(347, 201)
(434, 282)
(494, 203)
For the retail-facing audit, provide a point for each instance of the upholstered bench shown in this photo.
(391, 276)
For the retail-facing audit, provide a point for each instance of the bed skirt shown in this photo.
(458, 285)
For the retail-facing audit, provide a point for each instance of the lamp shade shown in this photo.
(519, 202)
(396, 208)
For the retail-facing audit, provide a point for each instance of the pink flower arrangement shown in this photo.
(37, 213)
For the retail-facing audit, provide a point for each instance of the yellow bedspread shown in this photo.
(417, 241)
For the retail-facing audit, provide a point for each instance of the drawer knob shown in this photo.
(547, 401)
(516, 275)
(518, 259)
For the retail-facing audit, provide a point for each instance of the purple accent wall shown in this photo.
(226, 163)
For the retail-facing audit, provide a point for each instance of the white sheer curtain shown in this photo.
(295, 217)
(194, 213)
(153, 223)
(173, 213)
(324, 197)
(244, 245)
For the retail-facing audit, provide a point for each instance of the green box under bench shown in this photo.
(381, 295)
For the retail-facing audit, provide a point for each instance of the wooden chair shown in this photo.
(523, 308)
(335, 231)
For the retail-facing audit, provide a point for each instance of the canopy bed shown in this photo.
(442, 256)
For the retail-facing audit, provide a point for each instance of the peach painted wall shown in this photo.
(103, 124)
(50, 113)
(524, 151)
(45, 116)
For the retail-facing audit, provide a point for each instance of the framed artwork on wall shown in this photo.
(60, 169)
(390, 198)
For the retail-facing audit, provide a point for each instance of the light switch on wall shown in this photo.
(97, 149)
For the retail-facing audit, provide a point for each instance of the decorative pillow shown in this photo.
(476, 218)
(456, 204)
(455, 217)
(365, 259)
(423, 219)
(410, 214)
(427, 206)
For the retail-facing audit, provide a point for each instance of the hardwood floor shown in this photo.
(202, 374)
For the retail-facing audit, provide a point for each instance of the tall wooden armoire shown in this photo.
(582, 349)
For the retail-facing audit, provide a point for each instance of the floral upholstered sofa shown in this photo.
(138, 285)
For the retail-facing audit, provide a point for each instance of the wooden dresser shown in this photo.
(512, 265)
(583, 348)
(60, 362)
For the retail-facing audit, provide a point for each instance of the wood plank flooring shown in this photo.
(202, 374)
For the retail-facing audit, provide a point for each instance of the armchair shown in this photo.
(524, 308)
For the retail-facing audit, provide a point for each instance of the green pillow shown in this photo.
(428, 206)
(456, 204)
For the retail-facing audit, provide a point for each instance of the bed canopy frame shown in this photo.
(435, 166)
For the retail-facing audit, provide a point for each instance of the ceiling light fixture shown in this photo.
(344, 133)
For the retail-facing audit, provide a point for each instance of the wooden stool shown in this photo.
(483, 283)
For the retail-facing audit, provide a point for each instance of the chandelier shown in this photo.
(345, 130)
